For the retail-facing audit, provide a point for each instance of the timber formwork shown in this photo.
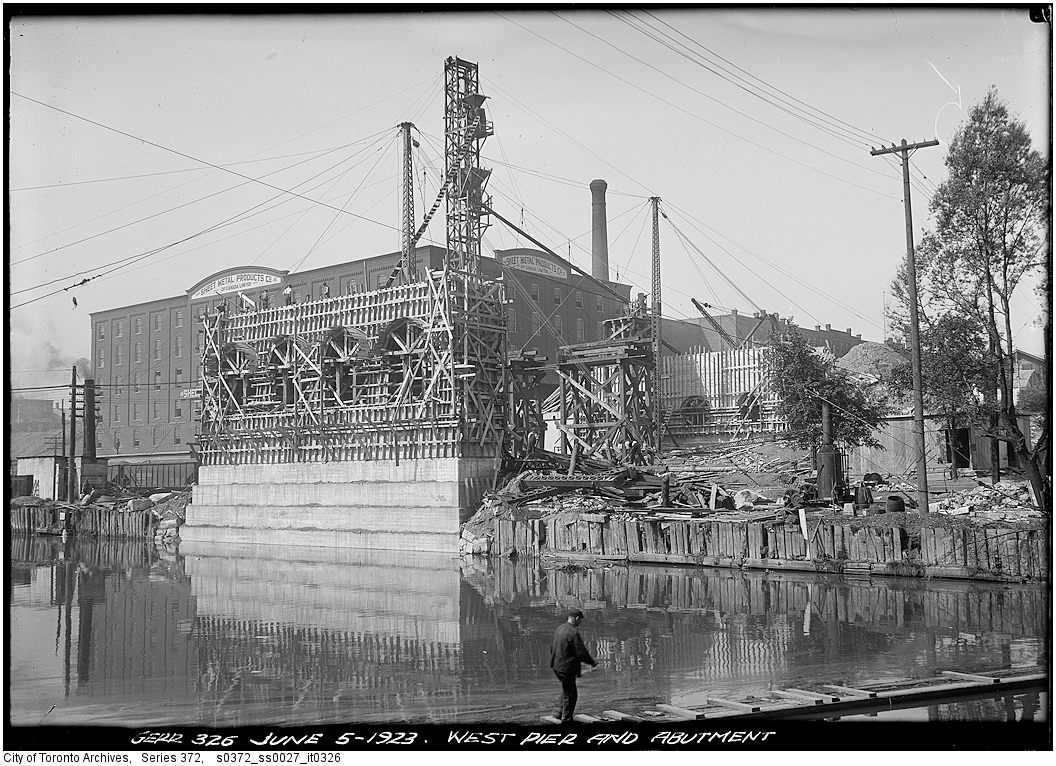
(606, 393)
(719, 393)
(368, 419)
(371, 376)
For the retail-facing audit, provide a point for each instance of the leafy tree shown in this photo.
(990, 232)
(802, 379)
(956, 368)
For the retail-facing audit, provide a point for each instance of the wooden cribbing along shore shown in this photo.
(834, 544)
(87, 521)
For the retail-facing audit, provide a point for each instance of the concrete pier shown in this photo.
(409, 505)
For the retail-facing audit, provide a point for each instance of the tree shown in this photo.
(803, 379)
(990, 232)
(955, 367)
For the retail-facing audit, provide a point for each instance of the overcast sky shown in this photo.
(166, 121)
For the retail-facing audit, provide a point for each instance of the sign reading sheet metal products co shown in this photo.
(191, 393)
(230, 283)
(536, 265)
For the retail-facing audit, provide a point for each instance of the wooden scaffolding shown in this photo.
(720, 392)
(408, 371)
(605, 394)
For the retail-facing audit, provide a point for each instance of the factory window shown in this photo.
(579, 329)
(102, 332)
(352, 288)
(139, 325)
(135, 411)
(600, 303)
(117, 442)
(579, 299)
(179, 375)
(117, 356)
(101, 356)
(535, 323)
(177, 437)
(117, 384)
(535, 291)
(157, 348)
(179, 317)
(135, 438)
(601, 331)
(157, 411)
(135, 383)
(136, 353)
(557, 296)
(157, 322)
(153, 437)
(120, 330)
(511, 322)
(559, 323)
(117, 414)
(157, 380)
(382, 279)
(179, 346)
(177, 409)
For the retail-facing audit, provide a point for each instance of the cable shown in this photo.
(692, 114)
(311, 250)
(189, 203)
(196, 159)
(134, 258)
(856, 143)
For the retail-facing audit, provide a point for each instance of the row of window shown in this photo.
(137, 355)
(137, 325)
(558, 323)
(137, 381)
(115, 437)
(559, 297)
(177, 411)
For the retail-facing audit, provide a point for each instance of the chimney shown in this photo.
(848, 330)
(828, 327)
(858, 336)
(817, 328)
(599, 239)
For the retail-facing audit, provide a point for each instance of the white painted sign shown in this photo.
(536, 265)
(191, 393)
(232, 283)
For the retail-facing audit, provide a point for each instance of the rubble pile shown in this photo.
(1004, 501)
(170, 511)
(167, 509)
(560, 486)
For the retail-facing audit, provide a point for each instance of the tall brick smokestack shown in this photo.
(599, 240)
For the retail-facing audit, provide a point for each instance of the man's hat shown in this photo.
(575, 612)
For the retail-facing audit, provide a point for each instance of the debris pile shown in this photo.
(680, 489)
(170, 510)
(167, 510)
(1004, 501)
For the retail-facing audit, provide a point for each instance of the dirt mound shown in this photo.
(874, 359)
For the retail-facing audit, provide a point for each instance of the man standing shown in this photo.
(566, 654)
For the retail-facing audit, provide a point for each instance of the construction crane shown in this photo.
(734, 343)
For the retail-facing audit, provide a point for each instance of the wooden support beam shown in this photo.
(749, 708)
(810, 694)
(682, 712)
(813, 698)
(850, 690)
(617, 715)
(971, 676)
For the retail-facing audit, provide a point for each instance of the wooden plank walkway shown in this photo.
(792, 702)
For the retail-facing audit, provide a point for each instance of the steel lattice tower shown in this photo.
(656, 393)
(410, 264)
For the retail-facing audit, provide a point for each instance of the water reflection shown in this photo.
(112, 633)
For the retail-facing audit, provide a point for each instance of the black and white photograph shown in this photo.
(539, 378)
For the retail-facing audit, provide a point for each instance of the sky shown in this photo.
(149, 152)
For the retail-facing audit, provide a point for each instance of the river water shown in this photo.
(112, 633)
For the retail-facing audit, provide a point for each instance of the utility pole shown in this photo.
(657, 388)
(410, 265)
(914, 319)
(71, 468)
